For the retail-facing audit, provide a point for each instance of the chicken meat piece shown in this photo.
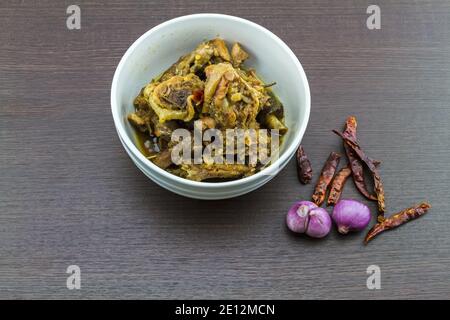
(238, 55)
(213, 51)
(146, 120)
(140, 121)
(162, 159)
(201, 172)
(175, 98)
(229, 99)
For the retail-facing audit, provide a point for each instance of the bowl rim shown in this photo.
(270, 170)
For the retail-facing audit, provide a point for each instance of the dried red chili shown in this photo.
(338, 185)
(304, 169)
(355, 163)
(378, 185)
(397, 220)
(325, 178)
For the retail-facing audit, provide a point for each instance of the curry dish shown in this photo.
(209, 84)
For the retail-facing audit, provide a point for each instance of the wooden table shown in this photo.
(69, 194)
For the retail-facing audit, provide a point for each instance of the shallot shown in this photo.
(307, 217)
(350, 215)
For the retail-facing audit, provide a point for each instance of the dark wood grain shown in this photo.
(70, 195)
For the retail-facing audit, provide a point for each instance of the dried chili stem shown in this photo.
(338, 185)
(397, 220)
(325, 178)
(378, 185)
(304, 169)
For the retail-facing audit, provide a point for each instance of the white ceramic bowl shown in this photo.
(159, 47)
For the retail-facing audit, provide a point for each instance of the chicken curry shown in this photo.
(209, 84)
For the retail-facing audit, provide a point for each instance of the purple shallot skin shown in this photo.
(298, 216)
(350, 215)
(319, 223)
(307, 217)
